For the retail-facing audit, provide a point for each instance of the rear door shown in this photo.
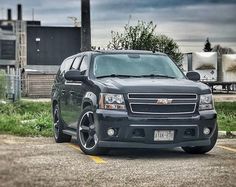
(78, 90)
(64, 97)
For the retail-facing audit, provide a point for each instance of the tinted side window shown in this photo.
(84, 65)
(76, 63)
(66, 65)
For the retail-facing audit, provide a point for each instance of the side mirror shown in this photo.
(74, 75)
(193, 75)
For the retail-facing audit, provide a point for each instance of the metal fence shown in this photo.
(11, 86)
(37, 86)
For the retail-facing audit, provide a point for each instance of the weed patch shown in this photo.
(35, 119)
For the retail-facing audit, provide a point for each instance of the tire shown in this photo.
(203, 149)
(58, 126)
(87, 137)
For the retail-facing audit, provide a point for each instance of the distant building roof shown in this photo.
(41, 69)
(33, 23)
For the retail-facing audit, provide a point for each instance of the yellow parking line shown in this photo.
(227, 148)
(96, 159)
(75, 147)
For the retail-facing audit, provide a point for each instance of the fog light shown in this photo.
(110, 132)
(206, 131)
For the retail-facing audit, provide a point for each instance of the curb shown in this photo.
(225, 134)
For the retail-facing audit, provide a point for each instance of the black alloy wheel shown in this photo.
(87, 133)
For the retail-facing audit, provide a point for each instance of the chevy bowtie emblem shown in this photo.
(164, 101)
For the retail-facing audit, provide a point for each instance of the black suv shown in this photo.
(131, 99)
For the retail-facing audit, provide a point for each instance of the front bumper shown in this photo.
(138, 132)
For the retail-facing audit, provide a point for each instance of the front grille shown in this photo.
(164, 103)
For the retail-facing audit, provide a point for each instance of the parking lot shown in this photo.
(41, 162)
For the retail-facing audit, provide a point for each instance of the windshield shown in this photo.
(135, 65)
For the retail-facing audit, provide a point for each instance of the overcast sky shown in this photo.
(188, 22)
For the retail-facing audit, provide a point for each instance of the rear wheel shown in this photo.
(203, 149)
(59, 136)
(87, 134)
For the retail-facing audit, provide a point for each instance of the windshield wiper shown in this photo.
(158, 75)
(116, 75)
(125, 76)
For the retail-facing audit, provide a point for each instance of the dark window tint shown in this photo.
(135, 65)
(76, 63)
(84, 65)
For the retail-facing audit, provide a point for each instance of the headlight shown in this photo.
(206, 102)
(112, 101)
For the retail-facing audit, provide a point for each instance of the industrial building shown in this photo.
(47, 47)
(34, 52)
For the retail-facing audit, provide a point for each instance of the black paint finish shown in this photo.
(135, 129)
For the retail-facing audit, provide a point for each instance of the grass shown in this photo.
(34, 118)
(26, 119)
(226, 115)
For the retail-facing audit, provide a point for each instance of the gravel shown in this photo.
(27, 161)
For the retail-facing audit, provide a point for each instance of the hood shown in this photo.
(151, 85)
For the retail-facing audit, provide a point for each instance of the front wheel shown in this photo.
(87, 134)
(203, 149)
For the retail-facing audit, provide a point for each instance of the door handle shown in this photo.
(72, 92)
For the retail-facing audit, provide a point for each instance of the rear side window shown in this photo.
(66, 65)
(76, 63)
(84, 66)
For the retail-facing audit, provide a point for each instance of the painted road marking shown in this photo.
(75, 147)
(96, 159)
(227, 148)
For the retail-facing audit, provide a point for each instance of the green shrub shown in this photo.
(26, 119)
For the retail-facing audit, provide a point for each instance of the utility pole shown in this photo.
(85, 26)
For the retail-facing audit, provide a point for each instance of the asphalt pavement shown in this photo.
(26, 161)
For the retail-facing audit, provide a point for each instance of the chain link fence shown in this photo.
(10, 87)
(13, 87)
(2, 85)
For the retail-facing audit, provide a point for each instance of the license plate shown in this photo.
(164, 135)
